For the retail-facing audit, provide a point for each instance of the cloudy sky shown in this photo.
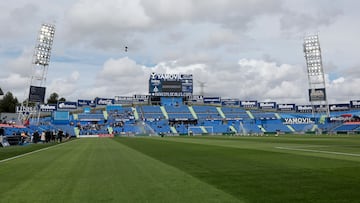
(248, 49)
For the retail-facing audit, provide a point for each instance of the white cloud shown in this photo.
(16, 84)
(250, 79)
(343, 89)
(103, 22)
(64, 86)
(23, 64)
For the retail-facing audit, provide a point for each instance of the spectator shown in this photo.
(52, 135)
(42, 138)
(36, 137)
(47, 136)
(59, 136)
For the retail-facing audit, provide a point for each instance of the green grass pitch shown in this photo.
(184, 169)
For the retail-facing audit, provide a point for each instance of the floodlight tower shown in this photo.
(40, 64)
(42, 52)
(316, 76)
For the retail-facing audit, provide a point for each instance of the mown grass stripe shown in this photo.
(100, 170)
(318, 151)
(28, 153)
(256, 171)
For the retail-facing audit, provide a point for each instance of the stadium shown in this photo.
(183, 114)
(170, 109)
(172, 145)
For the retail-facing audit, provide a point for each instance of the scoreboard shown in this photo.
(175, 85)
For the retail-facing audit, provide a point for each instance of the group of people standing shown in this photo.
(45, 136)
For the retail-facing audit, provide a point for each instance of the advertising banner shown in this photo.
(304, 108)
(196, 99)
(66, 105)
(26, 110)
(320, 108)
(171, 94)
(47, 107)
(124, 100)
(230, 102)
(289, 121)
(355, 104)
(267, 105)
(141, 98)
(249, 104)
(212, 100)
(286, 107)
(104, 101)
(339, 107)
(83, 102)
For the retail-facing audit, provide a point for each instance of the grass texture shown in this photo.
(185, 169)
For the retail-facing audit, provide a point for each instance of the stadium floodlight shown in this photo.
(43, 48)
(316, 75)
(40, 61)
(312, 54)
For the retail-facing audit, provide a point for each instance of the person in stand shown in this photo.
(67, 135)
(47, 136)
(36, 137)
(42, 138)
(59, 136)
(52, 135)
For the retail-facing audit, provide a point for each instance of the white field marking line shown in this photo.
(21, 155)
(320, 146)
(318, 151)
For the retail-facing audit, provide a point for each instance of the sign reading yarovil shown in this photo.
(288, 121)
(165, 84)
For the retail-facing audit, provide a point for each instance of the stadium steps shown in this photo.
(136, 115)
(322, 119)
(110, 129)
(262, 129)
(203, 129)
(277, 116)
(163, 110)
(220, 112)
(192, 111)
(233, 129)
(142, 112)
(77, 131)
(250, 114)
(314, 128)
(106, 115)
(173, 129)
(291, 128)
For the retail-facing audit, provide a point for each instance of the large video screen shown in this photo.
(161, 84)
(317, 94)
(171, 86)
(37, 94)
